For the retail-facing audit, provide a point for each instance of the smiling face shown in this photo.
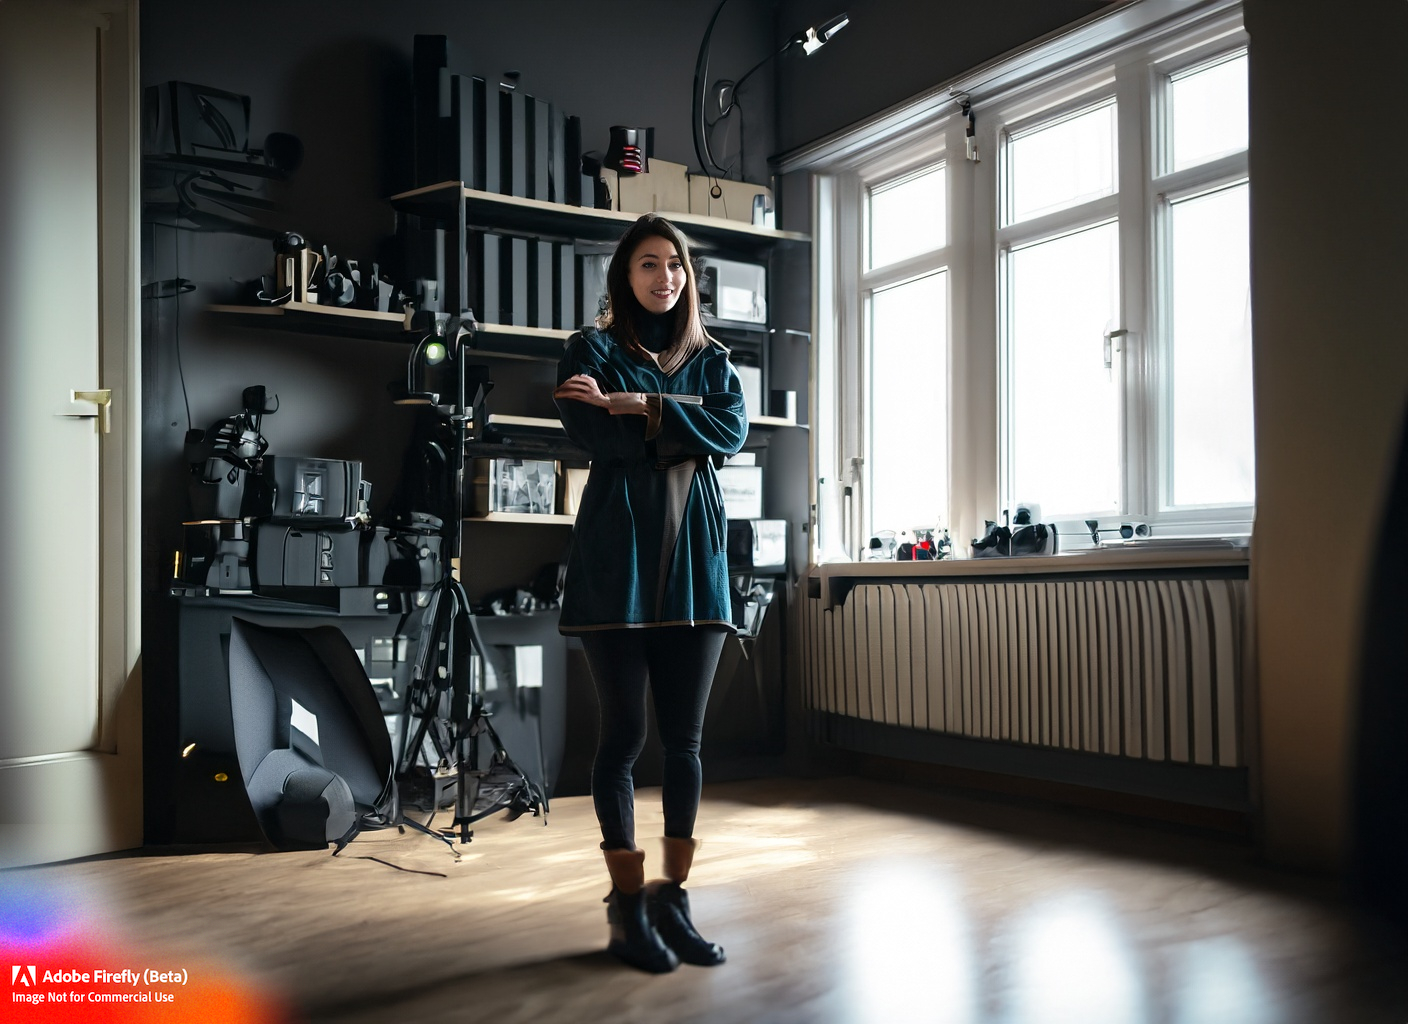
(657, 275)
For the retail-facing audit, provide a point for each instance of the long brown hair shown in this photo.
(624, 311)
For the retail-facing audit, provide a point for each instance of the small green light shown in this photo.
(435, 353)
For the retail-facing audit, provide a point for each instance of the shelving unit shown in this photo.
(534, 218)
(526, 518)
(310, 318)
(462, 209)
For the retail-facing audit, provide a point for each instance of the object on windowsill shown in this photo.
(882, 547)
(1024, 537)
(1127, 531)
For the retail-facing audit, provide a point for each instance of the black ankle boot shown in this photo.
(633, 938)
(669, 912)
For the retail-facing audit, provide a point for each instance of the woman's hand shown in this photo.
(584, 388)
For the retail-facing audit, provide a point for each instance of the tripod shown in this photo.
(452, 660)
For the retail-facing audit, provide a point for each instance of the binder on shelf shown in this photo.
(564, 286)
(513, 281)
(488, 170)
(538, 156)
(540, 284)
(579, 190)
(465, 143)
(482, 251)
(513, 135)
(557, 156)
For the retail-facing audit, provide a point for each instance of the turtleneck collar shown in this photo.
(656, 330)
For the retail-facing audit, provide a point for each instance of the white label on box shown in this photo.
(742, 488)
(528, 666)
(303, 720)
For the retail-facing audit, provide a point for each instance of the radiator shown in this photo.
(1140, 668)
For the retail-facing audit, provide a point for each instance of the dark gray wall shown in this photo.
(894, 49)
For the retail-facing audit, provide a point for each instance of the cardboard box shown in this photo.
(663, 189)
(736, 202)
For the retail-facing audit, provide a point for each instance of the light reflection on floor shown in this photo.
(1071, 960)
(907, 946)
(912, 948)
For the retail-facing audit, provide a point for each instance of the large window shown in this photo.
(1049, 303)
(906, 343)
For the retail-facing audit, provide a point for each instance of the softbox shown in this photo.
(311, 741)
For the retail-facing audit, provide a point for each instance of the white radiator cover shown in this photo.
(1141, 668)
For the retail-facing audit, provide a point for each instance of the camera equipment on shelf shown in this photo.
(278, 523)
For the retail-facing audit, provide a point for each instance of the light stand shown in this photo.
(445, 664)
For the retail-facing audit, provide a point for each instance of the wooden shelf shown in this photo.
(533, 518)
(773, 421)
(534, 218)
(539, 344)
(310, 318)
(499, 341)
(505, 420)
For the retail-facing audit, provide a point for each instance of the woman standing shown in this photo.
(659, 406)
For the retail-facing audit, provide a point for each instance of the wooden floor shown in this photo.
(837, 901)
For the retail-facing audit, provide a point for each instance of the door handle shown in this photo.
(102, 398)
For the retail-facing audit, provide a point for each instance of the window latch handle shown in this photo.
(1111, 348)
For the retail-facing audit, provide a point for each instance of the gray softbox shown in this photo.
(311, 741)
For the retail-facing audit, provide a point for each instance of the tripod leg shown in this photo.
(431, 832)
(536, 798)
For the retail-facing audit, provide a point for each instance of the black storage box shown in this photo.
(300, 556)
(312, 492)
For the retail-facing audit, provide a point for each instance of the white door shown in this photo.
(70, 739)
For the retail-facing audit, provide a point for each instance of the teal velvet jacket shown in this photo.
(648, 547)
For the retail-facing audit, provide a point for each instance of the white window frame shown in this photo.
(1129, 61)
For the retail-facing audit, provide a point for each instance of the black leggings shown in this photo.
(677, 663)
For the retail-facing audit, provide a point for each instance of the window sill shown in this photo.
(1190, 554)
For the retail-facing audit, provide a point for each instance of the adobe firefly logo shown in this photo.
(23, 975)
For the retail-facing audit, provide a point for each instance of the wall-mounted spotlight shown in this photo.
(815, 38)
(809, 40)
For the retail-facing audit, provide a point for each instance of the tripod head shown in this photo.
(439, 374)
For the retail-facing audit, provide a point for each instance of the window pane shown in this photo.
(1212, 350)
(1208, 106)
(1063, 295)
(906, 217)
(1062, 164)
(907, 456)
